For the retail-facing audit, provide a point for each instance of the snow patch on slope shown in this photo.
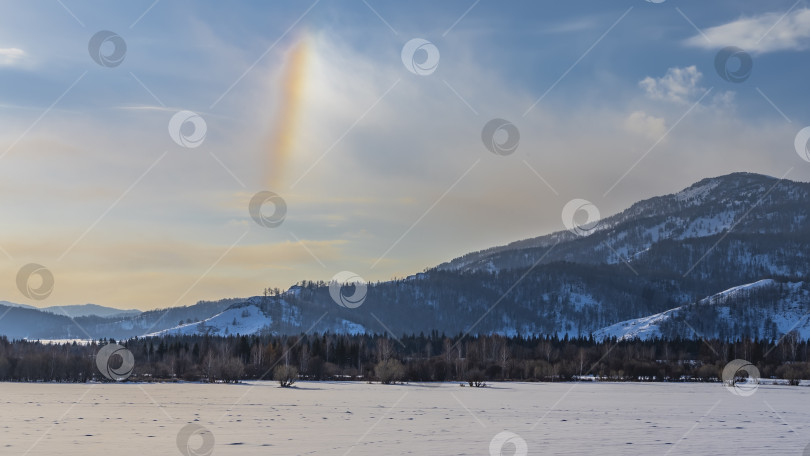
(235, 320)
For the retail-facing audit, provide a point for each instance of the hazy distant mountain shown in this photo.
(33, 323)
(662, 259)
(85, 310)
(14, 304)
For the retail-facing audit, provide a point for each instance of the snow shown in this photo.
(696, 194)
(235, 320)
(249, 319)
(348, 418)
(65, 341)
(790, 316)
(731, 292)
(349, 327)
(642, 328)
(709, 225)
(582, 300)
(294, 291)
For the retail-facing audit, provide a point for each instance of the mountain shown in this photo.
(667, 259)
(765, 309)
(253, 317)
(85, 310)
(675, 227)
(34, 323)
(14, 304)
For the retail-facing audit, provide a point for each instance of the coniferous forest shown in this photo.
(416, 358)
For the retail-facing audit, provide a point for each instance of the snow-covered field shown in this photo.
(371, 419)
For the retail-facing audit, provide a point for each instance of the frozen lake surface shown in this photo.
(372, 419)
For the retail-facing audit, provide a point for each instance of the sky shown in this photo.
(158, 153)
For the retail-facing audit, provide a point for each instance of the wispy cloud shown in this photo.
(769, 32)
(576, 25)
(11, 56)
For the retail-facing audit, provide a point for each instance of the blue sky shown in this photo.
(385, 172)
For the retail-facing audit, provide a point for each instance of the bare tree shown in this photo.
(385, 349)
(285, 375)
(389, 371)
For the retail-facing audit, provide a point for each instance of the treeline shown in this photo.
(415, 358)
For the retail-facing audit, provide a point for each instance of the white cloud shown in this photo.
(678, 85)
(10, 56)
(768, 32)
(641, 123)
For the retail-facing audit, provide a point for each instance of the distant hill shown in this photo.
(85, 310)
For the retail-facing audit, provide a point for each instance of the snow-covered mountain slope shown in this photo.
(744, 203)
(249, 319)
(256, 316)
(763, 309)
